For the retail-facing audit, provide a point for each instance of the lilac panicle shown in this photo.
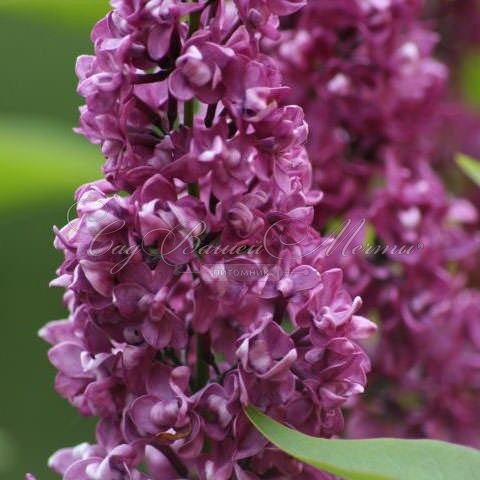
(194, 279)
(376, 101)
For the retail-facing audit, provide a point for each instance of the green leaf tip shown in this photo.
(373, 459)
(470, 167)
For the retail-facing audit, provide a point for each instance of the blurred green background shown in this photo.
(41, 163)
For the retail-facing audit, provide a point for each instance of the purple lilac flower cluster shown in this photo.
(374, 97)
(195, 282)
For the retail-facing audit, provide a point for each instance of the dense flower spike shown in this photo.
(194, 279)
(375, 99)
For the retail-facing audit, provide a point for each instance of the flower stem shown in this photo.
(194, 21)
(188, 116)
(179, 466)
(202, 340)
(203, 353)
(189, 113)
(189, 107)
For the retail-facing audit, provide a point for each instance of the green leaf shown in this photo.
(41, 161)
(76, 13)
(373, 459)
(470, 167)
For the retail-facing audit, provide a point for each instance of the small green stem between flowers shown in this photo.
(202, 340)
(203, 353)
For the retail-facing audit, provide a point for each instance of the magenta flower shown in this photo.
(194, 279)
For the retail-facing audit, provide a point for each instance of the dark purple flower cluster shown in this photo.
(374, 98)
(195, 282)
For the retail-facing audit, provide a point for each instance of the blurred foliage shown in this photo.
(73, 13)
(42, 161)
(53, 161)
(471, 78)
(7, 452)
(36, 419)
(38, 62)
